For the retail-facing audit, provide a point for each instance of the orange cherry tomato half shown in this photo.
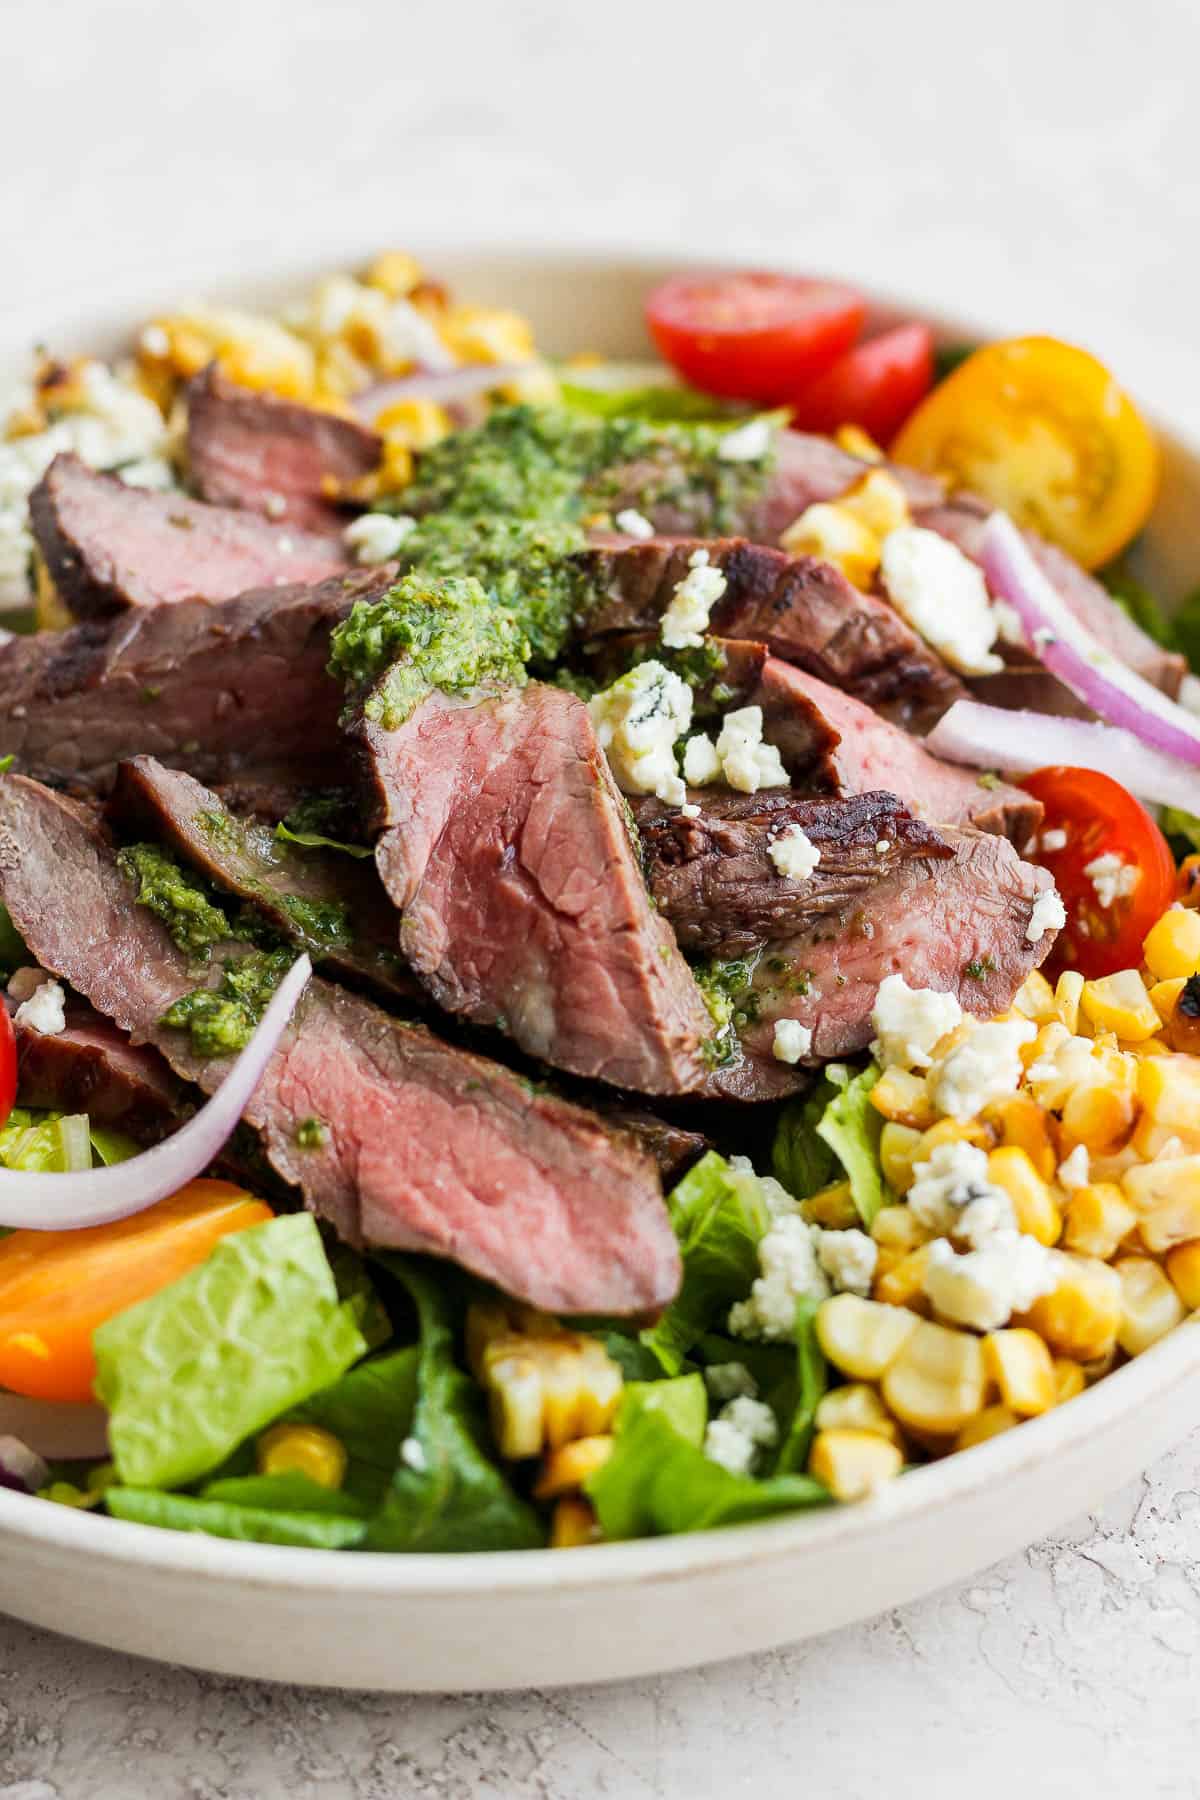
(876, 385)
(1090, 816)
(8, 1064)
(57, 1286)
(753, 336)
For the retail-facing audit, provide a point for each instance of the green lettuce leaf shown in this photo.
(456, 1498)
(682, 1401)
(660, 403)
(719, 1216)
(370, 1411)
(852, 1128)
(1183, 828)
(1143, 607)
(312, 840)
(111, 1147)
(35, 1143)
(801, 1161)
(193, 1371)
(313, 1530)
(812, 1379)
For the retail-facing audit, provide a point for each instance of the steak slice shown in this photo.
(109, 546)
(506, 849)
(714, 879)
(956, 923)
(216, 687)
(92, 1068)
(804, 610)
(329, 904)
(425, 1148)
(273, 456)
(833, 743)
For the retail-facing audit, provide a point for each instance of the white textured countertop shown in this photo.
(1036, 164)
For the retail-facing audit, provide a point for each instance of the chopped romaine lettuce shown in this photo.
(682, 1401)
(111, 1147)
(719, 1216)
(802, 1161)
(40, 1143)
(191, 1372)
(852, 1128)
(370, 1412)
(313, 1530)
(812, 1379)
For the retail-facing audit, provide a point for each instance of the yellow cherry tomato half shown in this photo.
(1041, 429)
(57, 1286)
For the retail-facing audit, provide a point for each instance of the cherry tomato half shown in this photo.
(8, 1064)
(1089, 816)
(876, 385)
(753, 336)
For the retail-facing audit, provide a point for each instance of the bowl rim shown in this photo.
(1100, 1411)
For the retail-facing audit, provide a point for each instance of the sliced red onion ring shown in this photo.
(97, 1196)
(60, 1430)
(446, 386)
(1070, 651)
(992, 737)
(20, 1467)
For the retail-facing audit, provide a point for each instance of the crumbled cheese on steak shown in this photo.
(794, 854)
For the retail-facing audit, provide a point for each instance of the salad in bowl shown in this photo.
(590, 951)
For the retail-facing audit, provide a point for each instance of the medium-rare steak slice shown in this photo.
(419, 1147)
(222, 689)
(506, 849)
(92, 1068)
(109, 547)
(273, 456)
(804, 610)
(329, 904)
(833, 743)
(714, 879)
(955, 923)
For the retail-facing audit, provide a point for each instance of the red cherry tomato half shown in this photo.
(875, 385)
(8, 1065)
(753, 336)
(1090, 816)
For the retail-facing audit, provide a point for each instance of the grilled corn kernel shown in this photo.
(898, 1151)
(396, 272)
(1119, 1003)
(1021, 1124)
(416, 424)
(938, 1381)
(903, 1282)
(852, 1464)
(1098, 1219)
(573, 1524)
(1068, 991)
(878, 501)
(833, 1207)
(1172, 947)
(861, 1337)
(1166, 1198)
(1150, 1307)
(1021, 1366)
(1096, 1114)
(1183, 1268)
(903, 1098)
(987, 1424)
(1033, 1203)
(1169, 1092)
(955, 1131)
(856, 442)
(545, 1384)
(1069, 1379)
(1080, 1316)
(856, 1407)
(302, 1450)
(896, 1228)
(566, 1469)
(1034, 999)
(1164, 995)
(834, 535)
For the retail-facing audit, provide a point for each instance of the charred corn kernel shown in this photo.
(856, 442)
(303, 1450)
(833, 1207)
(1097, 1115)
(1021, 1124)
(856, 1407)
(903, 1283)
(1165, 994)
(1068, 1379)
(1150, 1307)
(567, 1468)
(1168, 1089)
(1068, 991)
(416, 424)
(486, 334)
(903, 1098)
(1172, 947)
(251, 349)
(938, 1381)
(898, 1148)
(1183, 1268)
(1021, 1366)
(832, 534)
(545, 1384)
(1081, 1314)
(50, 613)
(396, 272)
(955, 1131)
(852, 1464)
(1098, 1219)
(1033, 1203)
(1187, 882)
(878, 501)
(514, 1390)
(896, 1228)
(1119, 1003)
(1034, 999)
(861, 1337)
(573, 1524)
(1166, 1198)
(987, 1424)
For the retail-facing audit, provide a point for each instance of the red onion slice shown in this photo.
(98, 1196)
(445, 386)
(1070, 651)
(992, 737)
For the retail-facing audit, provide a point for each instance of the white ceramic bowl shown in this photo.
(546, 1618)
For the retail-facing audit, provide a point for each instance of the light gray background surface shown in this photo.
(1035, 163)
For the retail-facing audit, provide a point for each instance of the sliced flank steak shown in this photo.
(92, 1068)
(272, 456)
(109, 547)
(327, 903)
(506, 850)
(422, 1147)
(221, 689)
